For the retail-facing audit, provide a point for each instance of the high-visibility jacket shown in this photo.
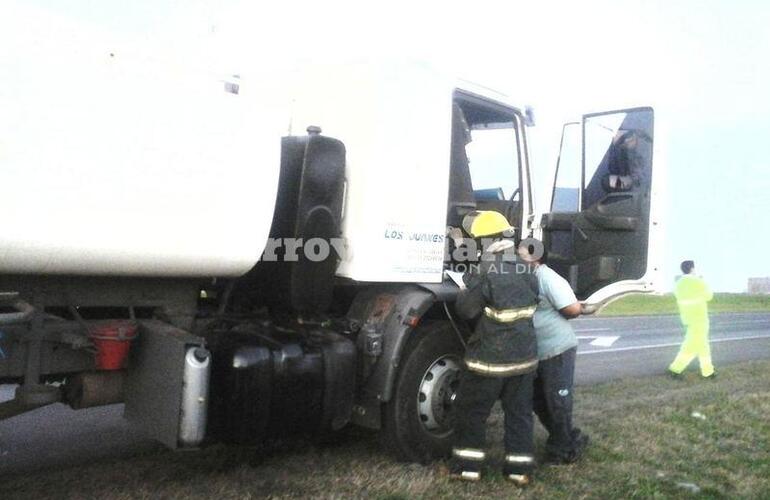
(692, 294)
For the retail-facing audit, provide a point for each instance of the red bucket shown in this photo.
(112, 340)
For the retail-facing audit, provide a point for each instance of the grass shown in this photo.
(644, 442)
(633, 305)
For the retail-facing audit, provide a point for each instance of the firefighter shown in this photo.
(501, 355)
(692, 296)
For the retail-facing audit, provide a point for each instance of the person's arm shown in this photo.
(589, 308)
(471, 301)
(572, 311)
(558, 292)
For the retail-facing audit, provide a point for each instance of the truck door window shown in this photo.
(485, 170)
(604, 144)
(566, 192)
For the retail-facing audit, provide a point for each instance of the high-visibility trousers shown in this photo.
(696, 344)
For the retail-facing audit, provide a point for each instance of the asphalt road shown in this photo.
(610, 348)
(613, 348)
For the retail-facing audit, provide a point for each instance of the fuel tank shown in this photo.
(268, 383)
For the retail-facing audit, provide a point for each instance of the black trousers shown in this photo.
(553, 402)
(476, 396)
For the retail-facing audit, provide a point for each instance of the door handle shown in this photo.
(581, 233)
(613, 222)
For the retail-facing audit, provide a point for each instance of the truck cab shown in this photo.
(421, 152)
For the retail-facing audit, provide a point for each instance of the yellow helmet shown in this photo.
(483, 223)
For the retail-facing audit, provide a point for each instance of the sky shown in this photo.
(703, 65)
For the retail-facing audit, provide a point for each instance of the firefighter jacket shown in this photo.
(502, 293)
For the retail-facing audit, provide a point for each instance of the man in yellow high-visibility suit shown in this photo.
(692, 295)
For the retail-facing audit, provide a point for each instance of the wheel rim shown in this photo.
(436, 396)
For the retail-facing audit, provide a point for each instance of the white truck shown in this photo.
(280, 238)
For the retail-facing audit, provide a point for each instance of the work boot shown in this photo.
(712, 376)
(519, 480)
(517, 468)
(466, 464)
(459, 474)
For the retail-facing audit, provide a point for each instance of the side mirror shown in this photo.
(529, 116)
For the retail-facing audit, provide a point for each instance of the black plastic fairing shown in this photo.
(308, 211)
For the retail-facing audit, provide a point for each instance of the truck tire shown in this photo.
(418, 421)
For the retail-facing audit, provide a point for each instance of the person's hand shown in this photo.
(589, 308)
(456, 234)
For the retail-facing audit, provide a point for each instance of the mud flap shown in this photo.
(155, 391)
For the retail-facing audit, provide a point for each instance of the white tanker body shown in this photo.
(117, 164)
(132, 167)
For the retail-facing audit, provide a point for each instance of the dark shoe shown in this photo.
(459, 474)
(676, 376)
(579, 444)
(551, 459)
(560, 459)
(466, 475)
(519, 480)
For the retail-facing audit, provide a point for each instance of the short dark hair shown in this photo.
(530, 250)
(687, 266)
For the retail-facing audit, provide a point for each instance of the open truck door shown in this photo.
(597, 234)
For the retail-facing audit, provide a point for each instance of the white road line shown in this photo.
(605, 341)
(715, 318)
(671, 344)
(599, 340)
(578, 330)
(739, 321)
(628, 332)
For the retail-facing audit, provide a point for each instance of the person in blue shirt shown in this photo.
(556, 349)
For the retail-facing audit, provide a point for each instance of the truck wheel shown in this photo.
(418, 423)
